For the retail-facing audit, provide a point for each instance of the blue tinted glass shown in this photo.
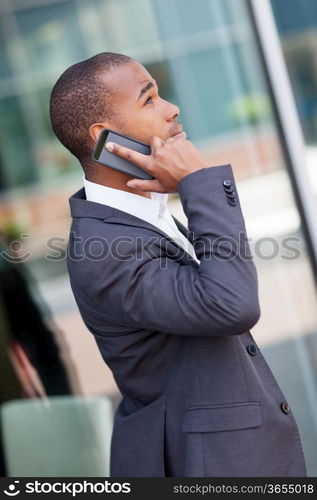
(16, 148)
(51, 36)
(295, 16)
(5, 66)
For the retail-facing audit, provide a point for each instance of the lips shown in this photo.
(179, 133)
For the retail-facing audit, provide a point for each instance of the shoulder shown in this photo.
(94, 242)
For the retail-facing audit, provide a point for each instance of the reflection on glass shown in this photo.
(298, 32)
(16, 148)
(51, 36)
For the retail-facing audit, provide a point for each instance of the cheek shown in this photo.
(146, 122)
(143, 124)
(125, 123)
(153, 118)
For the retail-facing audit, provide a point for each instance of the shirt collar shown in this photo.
(147, 209)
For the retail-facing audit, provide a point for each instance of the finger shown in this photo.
(128, 154)
(173, 139)
(155, 143)
(154, 185)
(177, 138)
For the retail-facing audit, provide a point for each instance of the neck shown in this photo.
(107, 176)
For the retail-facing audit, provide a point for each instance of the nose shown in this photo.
(172, 111)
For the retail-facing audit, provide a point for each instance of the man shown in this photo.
(171, 323)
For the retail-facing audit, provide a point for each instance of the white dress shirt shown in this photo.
(153, 210)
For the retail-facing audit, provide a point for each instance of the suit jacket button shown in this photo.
(251, 349)
(231, 195)
(228, 189)
(232, 201)
(285, 407)
(227, 182)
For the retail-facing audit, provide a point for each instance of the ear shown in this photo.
(96, 128)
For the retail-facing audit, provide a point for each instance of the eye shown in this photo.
(149, 100)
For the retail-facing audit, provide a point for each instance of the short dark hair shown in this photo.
(80, 97)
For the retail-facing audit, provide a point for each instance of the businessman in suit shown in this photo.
(170, 307)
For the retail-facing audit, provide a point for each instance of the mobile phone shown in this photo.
(101, 155)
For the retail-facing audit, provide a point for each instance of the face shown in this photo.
(139, 110)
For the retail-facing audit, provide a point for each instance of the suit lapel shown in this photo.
(130, 220)
(183, 229)
(82, 208)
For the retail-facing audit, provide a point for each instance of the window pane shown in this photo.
(298, 31)
(51, 36)
(16, 146)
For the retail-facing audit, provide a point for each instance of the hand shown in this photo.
(169, 162)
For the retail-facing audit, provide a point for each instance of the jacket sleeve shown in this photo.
(219, 297)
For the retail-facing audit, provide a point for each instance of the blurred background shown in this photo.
(245, 80)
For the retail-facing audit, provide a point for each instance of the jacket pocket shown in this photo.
(225, 417)
(211, 448)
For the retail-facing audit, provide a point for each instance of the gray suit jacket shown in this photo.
(198, 397)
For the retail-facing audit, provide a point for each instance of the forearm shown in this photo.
(220, 241)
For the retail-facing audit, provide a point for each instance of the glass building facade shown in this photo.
(298, 33)
(207, 61)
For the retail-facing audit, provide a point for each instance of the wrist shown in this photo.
(190, 172)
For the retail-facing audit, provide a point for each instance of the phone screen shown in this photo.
(101, 144)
